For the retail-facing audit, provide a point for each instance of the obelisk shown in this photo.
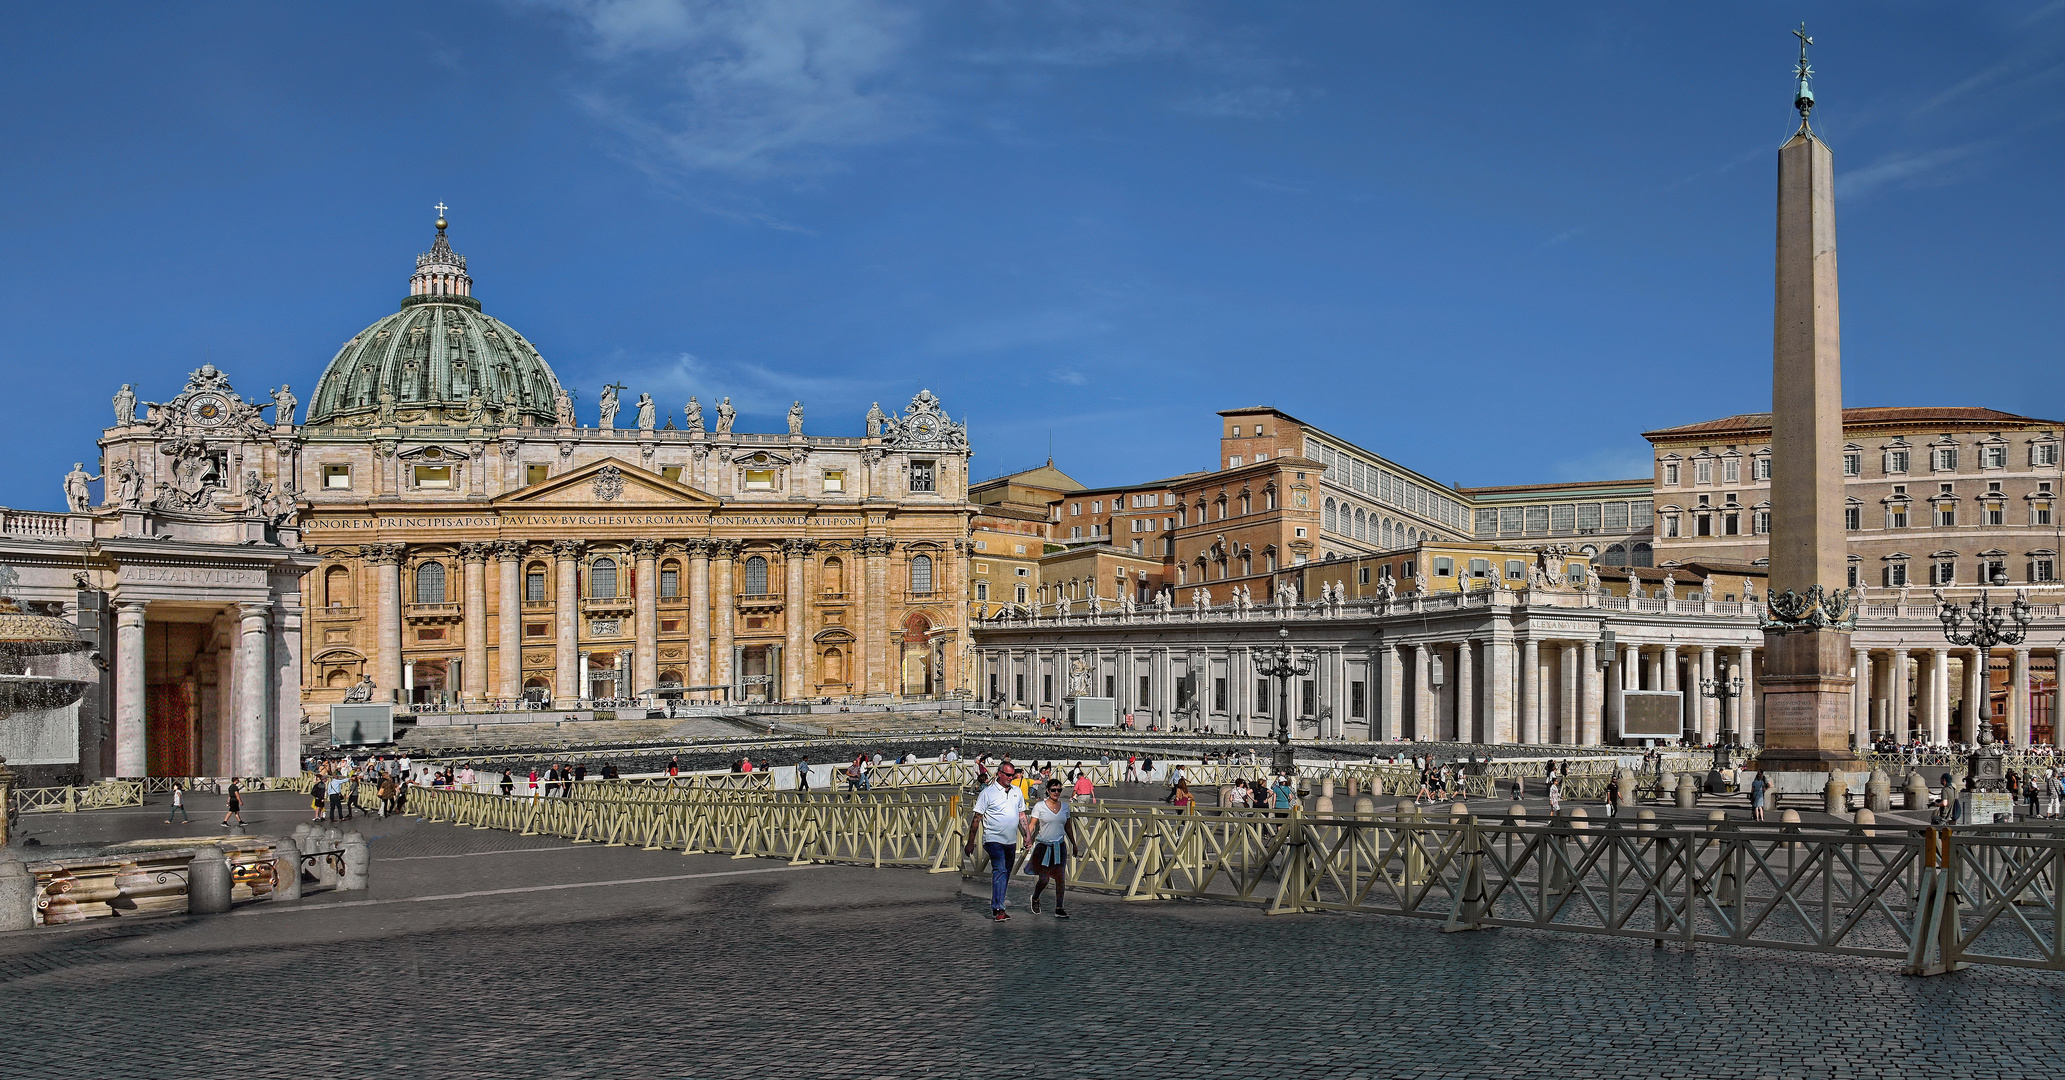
(1807, 656)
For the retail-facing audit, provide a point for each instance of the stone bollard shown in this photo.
(1458, 811)
(1878, 792)
(1688, 791)
(1715, 817)
(357, 860)
(1867, 819)
(1325, 803)
(17, 894)
(325, 866)
(1917, 793)
(1627, 786)
(1354, 787)
(1578, 818)
(1517, 812)
(1835, 795)
(1645, 821)
(207, 882)
(1792, 818)
(286, 868)
(1666, 783)
(1326, 787)
(1365, 805)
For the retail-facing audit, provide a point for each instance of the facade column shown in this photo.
(285, 678)
(1939, 696)
(566, 617)
(1530, 692)
(1897, 719)
(645, 610)
(474, 611)
(1567, 675)
(386, 560)
(1860, 700)
(132, 757)
(723, 559)
(795, 609)
(2018, 697)
(1466, 692)
(1423, 697)
(1630, 669)
(1592, 713)
(253, 631)
(875, 605)
(1656, 665)
(1498, 690)
(1709, 708)
(1976, 662)
(1394, 693)
(1668, 673)
(1746, 705)
(508, 620)
(699, 646)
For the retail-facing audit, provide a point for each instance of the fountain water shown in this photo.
(43, 673)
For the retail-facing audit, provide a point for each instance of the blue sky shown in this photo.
(1493, 241)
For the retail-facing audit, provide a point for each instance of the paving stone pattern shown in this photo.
(847, 972)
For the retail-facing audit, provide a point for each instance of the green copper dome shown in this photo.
(436, 360)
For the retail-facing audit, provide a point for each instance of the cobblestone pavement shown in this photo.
(481, 954)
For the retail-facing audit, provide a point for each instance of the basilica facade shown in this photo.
(466, 539)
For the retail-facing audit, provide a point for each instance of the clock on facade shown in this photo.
(207, 410)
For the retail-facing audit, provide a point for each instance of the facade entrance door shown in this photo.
(174, 738)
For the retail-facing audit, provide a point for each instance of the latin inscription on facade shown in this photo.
(191, 575)
(371, 524)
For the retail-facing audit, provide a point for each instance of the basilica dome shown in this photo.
(438, 360)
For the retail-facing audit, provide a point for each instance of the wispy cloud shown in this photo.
(1903, 169)
(1068, 375)
(1567, 234)
(755, 389)
(1246, 103)
(747, 89)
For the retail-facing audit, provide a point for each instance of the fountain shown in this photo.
(42, 675)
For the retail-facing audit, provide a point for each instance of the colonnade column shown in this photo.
(1530, 691)
(1746, 705)
(1394, 693)
(509, 621)
(474, 609)
(132, 759)
(2018, 697)
(1592, 714)
(795, 609)
(1567, 672)
(645, 610)
(723, 553)
(253, 631)
(1498, 690)
(1860, 699)
(1897, 720)
(1939, 696)
(387, 562)
(566, 617)
(1466, 692)
(1423, 698)
(1708, 707)
(699, 647)
(1667, 670)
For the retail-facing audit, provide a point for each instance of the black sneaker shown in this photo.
(1061, 913)
(1036, 906)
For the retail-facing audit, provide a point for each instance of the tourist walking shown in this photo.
(1555, 795)
(1086, 790)
(1612, 796)
(803, 774)
(178, 804)
(236, 805)
(998, 818)
(508, 782)
(1053, 836)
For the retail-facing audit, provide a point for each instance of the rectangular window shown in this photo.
(1946, 516)
(759, 479)
(1018, 686)
(2039, 513)
(1996, 514)
(1896, 461)
(1616, 516)
(1943, 458)
(1537, 519)
(1562, 518)
(670, 472)
(1075, 532)
(1896, 516)
(1046, 686)
(1509, 519)
(2043, 569)
(1670, 473)
(1760, 467)
(1670, 525)
(433, 476)
(1703, 471)
(1731, 471)
(1853, 518)
(1143, 699)
(982, 590)
(921, 476)
(1944, 572)
(1640, 516)
(1075, 509)
(1444, 566)
(536, 474)
(1097, 506)
(1760, 521)
(1022, 592)
(1730, 525)
(1358, 700)
(1219, 695)
(1233, 462)
(336, 476)
(1487, 522)
(1307, 691)
(1853, 575)
(1262, 697)
(1896, 575)
(1516, 570)
(536, 629)
(1588, 517)
(835, 480)
(1994, 457)
(670, 582)
(2043, 454)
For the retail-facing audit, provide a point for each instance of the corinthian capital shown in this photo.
(797, 548)
(474, 552)
(567, 549)
(382, 554)
(645, 549)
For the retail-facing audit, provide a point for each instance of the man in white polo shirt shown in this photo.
(999, 818)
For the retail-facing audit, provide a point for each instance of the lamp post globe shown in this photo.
(1281, 663)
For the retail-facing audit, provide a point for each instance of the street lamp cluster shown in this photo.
(1983, 627)
(1279, 662)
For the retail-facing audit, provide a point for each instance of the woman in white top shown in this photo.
(1052, 831)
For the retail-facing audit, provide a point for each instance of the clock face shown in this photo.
(207, 410)
(925, 427)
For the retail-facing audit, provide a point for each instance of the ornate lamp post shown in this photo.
(1726, 689)
(1983, 627)
(1280, 663)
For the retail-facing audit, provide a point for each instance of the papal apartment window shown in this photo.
(1703, 471)
(2043, 569)
(1996, 514)
(1853, 465)
(1670, 524)
(1896, 575)
(1993, 457)
(2043, 454)
(2039, 513)
(336, 476)
(1946, 516)
(1760, 467)
(1943, 458)
(1853, 575)
(1731, 471)
(921, 476)
(1853, 519)
(1896, 516)
(1943, 572)
(1670, 473)
(1760, 521)
(1896, 461)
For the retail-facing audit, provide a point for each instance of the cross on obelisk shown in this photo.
(1807, 657)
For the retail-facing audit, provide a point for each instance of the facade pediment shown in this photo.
(608, 482)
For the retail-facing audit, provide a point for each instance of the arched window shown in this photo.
(1332, 518)
(756, 576)
(1361, 524)
(602, 579)
(534, 584)
(430, 583)
(835, 665)
(1182, 574)
(921, 573)
(337, 588)
(1616, 555)
(1642, 556)
(670, 578)
(831, 577)
(670, 678)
